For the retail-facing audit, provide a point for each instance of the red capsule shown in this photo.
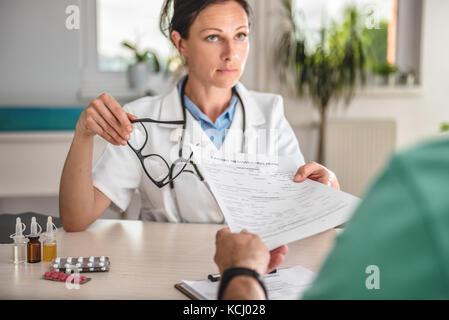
(55, 276)
(48, 274)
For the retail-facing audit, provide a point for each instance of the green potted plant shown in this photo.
(386, 71)
(143, 60)
(327, 72)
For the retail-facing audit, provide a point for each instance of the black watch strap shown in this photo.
(230, 273)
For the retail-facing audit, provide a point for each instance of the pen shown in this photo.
(216, 277)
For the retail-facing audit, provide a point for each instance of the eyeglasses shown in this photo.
(155, 166)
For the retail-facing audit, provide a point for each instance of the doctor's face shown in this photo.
(217, 45)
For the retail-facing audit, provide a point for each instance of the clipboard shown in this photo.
(286, 284)
(213, 278)
(180, 287)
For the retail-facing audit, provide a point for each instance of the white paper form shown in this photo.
(260, 196)
(285, 284)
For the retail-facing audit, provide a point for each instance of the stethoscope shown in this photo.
(180, 151)
(184, 125)
(184, 108)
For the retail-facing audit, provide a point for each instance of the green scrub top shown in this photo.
(396, 245)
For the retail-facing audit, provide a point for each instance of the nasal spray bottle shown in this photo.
(34, 246)
(19, 248)
(50, 251)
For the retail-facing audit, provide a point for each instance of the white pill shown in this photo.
(80, 259)
(69, 259)
(57, 270)
(55, 265)
(91, 259)
(68, 270)
(67, 265)
(57, 260)
(102, 258)
(103, 269)
(91, 269)
(101, 264)
(78, 265)
(89, 264)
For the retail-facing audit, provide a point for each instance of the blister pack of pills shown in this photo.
(53, 275)
(81, 264)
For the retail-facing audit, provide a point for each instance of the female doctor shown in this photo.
(149, 138)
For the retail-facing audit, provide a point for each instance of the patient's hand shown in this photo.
(246, 250)
(317, 172)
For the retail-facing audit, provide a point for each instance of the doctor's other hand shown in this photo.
(246, 250)
(317, 172)
(105, 116)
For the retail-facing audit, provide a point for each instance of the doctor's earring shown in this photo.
(177, 63)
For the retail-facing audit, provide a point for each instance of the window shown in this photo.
(135, 21)
(104, 25)
(392, 51)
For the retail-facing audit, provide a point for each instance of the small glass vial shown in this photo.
(49, 242)
(19, 251)
(34, 250)
(19, 247)
(49, 249)
(34, 245)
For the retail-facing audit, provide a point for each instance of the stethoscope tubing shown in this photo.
(185, 117)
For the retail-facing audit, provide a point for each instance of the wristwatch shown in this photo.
(230, 273)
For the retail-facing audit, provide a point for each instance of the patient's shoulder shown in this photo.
(433, 152)
(424, 171)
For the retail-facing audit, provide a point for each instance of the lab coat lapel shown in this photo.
(195, 135)
(234, 135)
(254, 116)
(254, 119)
(171, 109)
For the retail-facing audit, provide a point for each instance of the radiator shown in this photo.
(357, 149)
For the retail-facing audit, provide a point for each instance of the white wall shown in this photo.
(39, 57)
(418, 113)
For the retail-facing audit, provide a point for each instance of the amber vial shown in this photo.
(34, 250)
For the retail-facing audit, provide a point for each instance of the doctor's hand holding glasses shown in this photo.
(105, 117)
(161, 173)
(155, 166)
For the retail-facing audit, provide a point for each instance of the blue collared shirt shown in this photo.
(216, 131)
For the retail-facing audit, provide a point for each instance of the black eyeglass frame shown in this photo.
(161, 183)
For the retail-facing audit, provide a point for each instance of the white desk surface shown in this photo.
(147, 259)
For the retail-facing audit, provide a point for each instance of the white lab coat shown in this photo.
(118, 172)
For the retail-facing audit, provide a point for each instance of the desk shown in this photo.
(147, 259)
